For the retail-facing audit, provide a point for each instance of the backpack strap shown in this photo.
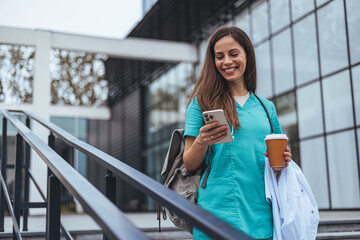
(267, 113)
(203, 184)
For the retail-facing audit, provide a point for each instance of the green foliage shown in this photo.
(16, 73)
(77, 78)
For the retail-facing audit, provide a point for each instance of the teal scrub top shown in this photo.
(235, 189)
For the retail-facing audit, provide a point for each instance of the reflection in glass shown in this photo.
(243, 22)
(343, 170)
(332, 37)
(309, 110)
(286, 111)
(283, 68)
(260, 22)
(264, 86)
(353, 18)
(319, 2)
(280, 15)
(202, 52)
(356, 89)
(66, 123)
(358, 136)
(300, 8)
(306, 60)
(313, 165)
(337, 102)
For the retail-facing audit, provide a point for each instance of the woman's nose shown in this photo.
(227, 60)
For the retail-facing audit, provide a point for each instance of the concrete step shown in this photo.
(168, 233)
(339, 225)
(338, 235)
(76, 235)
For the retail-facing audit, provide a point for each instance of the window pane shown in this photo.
(280, 15)
(309, 110)
(283, 69)
(344, 180)
(243, 22)
(260, 22)
(313, 165)
(82, 127)
(286, 111)
(358, 135)
(337, 102)
(306, 60)
(333, 50)
(353, 17)
(65, 123)
(300, 8)
(264, 86)
(319, 2)
(356, 86)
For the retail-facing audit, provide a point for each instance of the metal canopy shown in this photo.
(185, 21)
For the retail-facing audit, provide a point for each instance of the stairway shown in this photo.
(333, 225)
(339, 225)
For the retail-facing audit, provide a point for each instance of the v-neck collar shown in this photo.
(247, 102)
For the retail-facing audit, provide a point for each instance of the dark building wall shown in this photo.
(120, 137)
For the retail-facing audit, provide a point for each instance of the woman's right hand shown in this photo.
(211, 133)
(195, 148)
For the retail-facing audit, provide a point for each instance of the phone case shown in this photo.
(217, 115)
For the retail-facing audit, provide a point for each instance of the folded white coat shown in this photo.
(295, 211)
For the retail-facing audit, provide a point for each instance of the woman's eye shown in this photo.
(219, 57)
(234, 55)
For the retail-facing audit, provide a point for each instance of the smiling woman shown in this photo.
(234, 188)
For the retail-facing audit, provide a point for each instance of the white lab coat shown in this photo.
(295, 211)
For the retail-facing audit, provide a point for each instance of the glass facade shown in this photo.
(78, 127)
(309, 66)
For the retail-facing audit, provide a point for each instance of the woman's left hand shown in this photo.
(287, 159)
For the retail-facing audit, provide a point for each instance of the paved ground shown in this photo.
(82, 222)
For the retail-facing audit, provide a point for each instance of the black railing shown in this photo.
(114, 223)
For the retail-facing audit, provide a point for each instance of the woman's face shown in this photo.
(230, 59)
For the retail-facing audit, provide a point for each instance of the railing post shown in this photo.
(110, 190)
(18, 179)
(27, 180)
(3, 172)
(110, 187)
(53, 210)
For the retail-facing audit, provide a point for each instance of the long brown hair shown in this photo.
(211, 89)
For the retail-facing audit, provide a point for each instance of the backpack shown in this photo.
(178, 179)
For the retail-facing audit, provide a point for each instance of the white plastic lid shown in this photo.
(276, 136)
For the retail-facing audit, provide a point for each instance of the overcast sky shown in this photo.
(104, 18)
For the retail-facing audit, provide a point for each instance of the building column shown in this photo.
(41, 107)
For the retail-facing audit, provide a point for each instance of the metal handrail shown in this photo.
(198, 217)
(11, 210)
(118, 226)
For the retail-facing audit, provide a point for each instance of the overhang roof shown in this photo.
(177, 20)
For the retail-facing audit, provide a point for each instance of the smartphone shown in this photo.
(219, 116)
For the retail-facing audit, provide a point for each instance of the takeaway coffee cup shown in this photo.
(276, 145)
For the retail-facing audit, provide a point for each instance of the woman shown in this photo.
(235, 188)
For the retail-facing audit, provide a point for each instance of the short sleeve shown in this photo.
(193, 119)
(275, 120)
